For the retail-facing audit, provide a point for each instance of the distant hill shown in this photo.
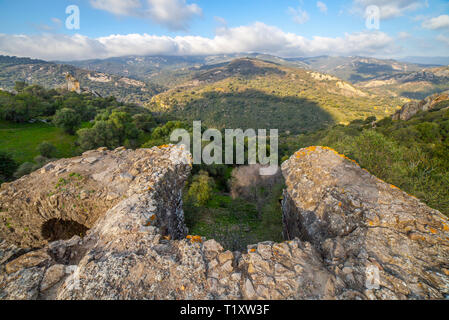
(52, 75)
(172, 71)
(413, 85)
(168, 70)
(357, 69)
(251, 93)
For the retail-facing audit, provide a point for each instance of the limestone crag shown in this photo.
(349, 236)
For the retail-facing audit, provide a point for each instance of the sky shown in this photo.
(97, 29)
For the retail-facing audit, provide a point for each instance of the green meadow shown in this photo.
(22, 139)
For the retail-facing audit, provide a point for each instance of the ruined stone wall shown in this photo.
(339, 221)
(361, 225)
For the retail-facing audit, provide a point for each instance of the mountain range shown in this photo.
(245, 90)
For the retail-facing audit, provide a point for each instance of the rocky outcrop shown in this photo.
(412, 108)
(381, 242)
(349, 236)
(72, 85)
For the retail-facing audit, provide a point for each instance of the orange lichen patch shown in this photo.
(446, 271)
(183, 288)
(340, 204)
(195, 239)
(340, 155)
(148, 224)
(252, 250)
(393, 187)
(167, 237)
(304, 152)
(164, 146)
(371, 223)
(153, 217)
(432, 230)
(150, 188)
(445, 227)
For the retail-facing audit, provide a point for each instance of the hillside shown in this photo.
(411, 155)
(250, 93)
(380, 76)
(357, 69)
(413, 85)
(51, 75)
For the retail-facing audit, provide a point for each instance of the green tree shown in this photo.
(46, 149)
(144, 122)
(7, 166)
(201, 189)
(68, 120)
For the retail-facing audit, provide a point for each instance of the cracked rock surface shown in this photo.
(348, 235)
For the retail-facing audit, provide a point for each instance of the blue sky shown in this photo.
(284, 27)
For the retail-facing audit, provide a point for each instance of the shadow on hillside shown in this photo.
(254, 109)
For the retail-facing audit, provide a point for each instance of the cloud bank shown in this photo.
(441, 22)
(173, 14)
(257, 37)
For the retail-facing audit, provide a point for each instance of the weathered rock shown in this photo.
(352, 237)
(44, 206)
(380, 241)
(412, 108)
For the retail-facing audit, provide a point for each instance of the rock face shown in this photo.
(73, 84)
(412, 108)
(368, 241)
(381, 242)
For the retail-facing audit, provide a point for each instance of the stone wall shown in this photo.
(342, 225)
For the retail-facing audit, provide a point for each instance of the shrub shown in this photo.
(46, 149)
(200, 191)
(7, 166)
(68, 120)
(24, 169)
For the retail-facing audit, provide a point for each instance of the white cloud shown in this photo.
(117, 7)
(388, 8)
(257, 37)
(444, 39)
(299, 16)
(173, 14)
(404, 35)
(440, 22)
(322, 6)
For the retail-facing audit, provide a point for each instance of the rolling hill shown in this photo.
(251, 93)
(172, 71)
(413, 85)
(51, 75)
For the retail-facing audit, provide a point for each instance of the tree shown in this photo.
(46, 149)
(144, 122)
(20, 85)
(68, 120)
(7, 166)
(200, 191)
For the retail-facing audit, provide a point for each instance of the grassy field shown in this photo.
(21, 140)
